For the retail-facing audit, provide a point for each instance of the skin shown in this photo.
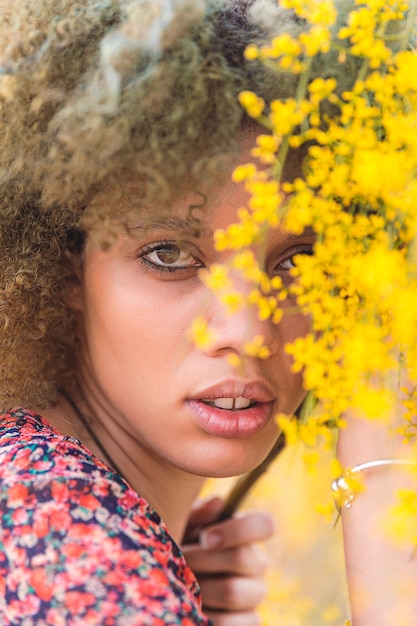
(229, 562)
(381, 572)
(138, 370)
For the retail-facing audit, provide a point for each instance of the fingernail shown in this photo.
(209, 539)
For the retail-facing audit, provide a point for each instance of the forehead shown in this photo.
(204, 209)
(182, 221)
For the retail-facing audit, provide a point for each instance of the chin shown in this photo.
(227, 464)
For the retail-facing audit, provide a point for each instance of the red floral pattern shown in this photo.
(79, 547)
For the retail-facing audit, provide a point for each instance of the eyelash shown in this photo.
(302, 249)
(169, 246)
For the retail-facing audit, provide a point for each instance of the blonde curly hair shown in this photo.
(93, 92)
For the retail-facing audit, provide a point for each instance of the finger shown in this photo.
(232, 593)
(248, 528)
(241, 618)
(247, 560)
(203, 513)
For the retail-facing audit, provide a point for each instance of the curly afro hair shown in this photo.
(93, 92)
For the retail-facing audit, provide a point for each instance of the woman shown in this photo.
(120, 128)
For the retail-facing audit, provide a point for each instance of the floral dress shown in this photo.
(78, 546)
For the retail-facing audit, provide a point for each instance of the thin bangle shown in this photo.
(344, 492)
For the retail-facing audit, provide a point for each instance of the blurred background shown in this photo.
(306, 580)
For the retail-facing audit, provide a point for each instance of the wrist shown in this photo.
(346, 487)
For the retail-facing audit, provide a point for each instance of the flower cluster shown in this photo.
(358, 193)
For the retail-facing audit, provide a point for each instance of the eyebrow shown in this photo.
(174, 223)
(195, 227)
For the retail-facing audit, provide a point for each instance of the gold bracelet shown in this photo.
(345, 488)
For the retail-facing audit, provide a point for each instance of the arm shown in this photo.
(381, 571)
(228, 562)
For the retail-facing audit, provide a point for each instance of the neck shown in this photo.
(172, 496)
(169, 490)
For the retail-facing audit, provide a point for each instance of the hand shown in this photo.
(228, 563)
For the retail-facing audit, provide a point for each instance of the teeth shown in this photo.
(229, 403)
(224, 403)
(241, 403)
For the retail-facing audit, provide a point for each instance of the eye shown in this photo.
(168, 257)
(288, 262)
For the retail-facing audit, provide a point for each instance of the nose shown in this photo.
(240, 331)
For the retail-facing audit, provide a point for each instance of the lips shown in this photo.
(233, 408)
(256, 390)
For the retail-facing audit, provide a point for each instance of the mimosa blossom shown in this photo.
(358, 193)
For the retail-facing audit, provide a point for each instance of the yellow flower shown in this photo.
(289, 427)
(257, 348)
(266, 148)
(252, 103)
(316, 40)
(217, 277)
(200, 333)
(251, 52)
(358, 195)
(285, 116)
(243, 172)
(400, 524)
(314, 12)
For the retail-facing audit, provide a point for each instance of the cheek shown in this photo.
(294, 325)
(129, 315)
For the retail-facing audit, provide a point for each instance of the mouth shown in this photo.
(222, 417)
(233, 408)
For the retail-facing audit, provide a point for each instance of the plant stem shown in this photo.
(243, 485)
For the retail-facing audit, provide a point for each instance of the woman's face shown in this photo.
(179, 405)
